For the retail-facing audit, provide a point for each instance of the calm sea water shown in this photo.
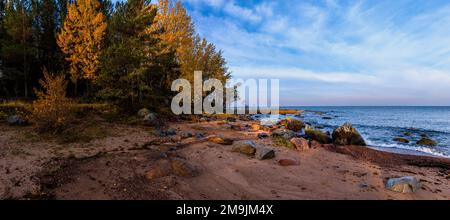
(380, 125)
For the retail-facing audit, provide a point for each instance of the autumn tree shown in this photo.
(52, 110)
(193, 53)
(81, 37)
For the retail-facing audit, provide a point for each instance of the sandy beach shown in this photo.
(122, 161)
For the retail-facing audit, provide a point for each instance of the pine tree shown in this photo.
(135, 69)
(81, 37)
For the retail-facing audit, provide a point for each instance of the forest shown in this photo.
(125, 53)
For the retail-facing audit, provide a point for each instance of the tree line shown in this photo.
(126, 53)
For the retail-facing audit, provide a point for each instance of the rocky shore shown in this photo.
(229, 157)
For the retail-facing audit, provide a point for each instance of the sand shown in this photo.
(114, 166)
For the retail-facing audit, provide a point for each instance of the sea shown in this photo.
(380, 125)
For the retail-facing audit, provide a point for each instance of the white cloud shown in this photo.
(402, 55)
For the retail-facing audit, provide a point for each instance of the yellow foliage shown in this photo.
(52, 109)
(80, 38)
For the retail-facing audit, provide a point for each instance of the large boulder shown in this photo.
(407, 184)
(244, 147)
(300, 144)
(264, 153)
(283, 133)
(425, 141)
(292, 124)
(347, 135)
(317, 135)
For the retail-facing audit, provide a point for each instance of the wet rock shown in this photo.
(16, 120)
(300, 144)
(264, 153)
(244, 147)
(408, 184)
(401, 140)
(288, 162)
(408, 134)
(263, 135)
(318, 136)
(283, 133)
(219, 140)
(347, 135)
(327, 118)
(426, 142)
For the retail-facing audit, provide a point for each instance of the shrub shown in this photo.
(51, 112)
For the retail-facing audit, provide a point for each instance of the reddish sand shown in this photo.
(115, 167)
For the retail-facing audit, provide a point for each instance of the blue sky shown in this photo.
(331, 52)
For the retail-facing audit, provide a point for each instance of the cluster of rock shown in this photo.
(424, 140)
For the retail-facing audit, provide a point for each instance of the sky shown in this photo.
(335, 53)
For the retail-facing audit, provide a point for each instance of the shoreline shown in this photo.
(44, 169)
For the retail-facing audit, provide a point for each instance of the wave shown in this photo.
(408, 148)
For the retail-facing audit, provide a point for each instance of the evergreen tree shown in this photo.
(135, 69)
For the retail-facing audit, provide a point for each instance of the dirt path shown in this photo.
(116, 166)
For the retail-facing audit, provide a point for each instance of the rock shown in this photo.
(263, 135)
(401, 140)
(283, 133)
(150, 119)
(244, 147)
(256, 127)
(219, 140)
(347, 135)
(314, 144)
(318, 136)
(186, 134)
(300, 144)
(162, 168)
(267, 128)
(143, 112)
(408, 184)
(16, 120)
(408, 134)
(176, 166)
(231, 119)
(199, 135)
(292, 124)
(264, 153)
(426, 142)
(171, 132)
(182, 168)
(288, 162)
(327, 118)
